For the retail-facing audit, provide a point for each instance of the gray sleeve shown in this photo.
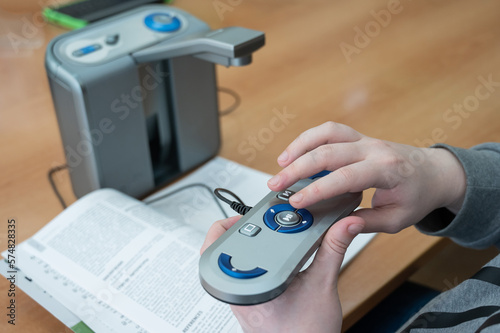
(477, 224)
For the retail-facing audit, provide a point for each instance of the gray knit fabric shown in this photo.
(476, 225)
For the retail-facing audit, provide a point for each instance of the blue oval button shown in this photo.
(162, 22)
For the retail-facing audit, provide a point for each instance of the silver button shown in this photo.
(249, 230)
(285, 195)
(288, 218)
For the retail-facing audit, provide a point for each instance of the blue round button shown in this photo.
(270, 221)
(162, 22)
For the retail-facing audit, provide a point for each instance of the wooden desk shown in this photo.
(400, 81)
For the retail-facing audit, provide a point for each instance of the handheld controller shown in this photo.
(256, 259)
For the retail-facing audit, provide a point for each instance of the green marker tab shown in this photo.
(63, 20)
(81, 328)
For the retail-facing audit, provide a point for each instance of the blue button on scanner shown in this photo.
(162, 22)
(226, 266)
(86, 50)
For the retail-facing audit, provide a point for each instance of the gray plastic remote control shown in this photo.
(256, 259)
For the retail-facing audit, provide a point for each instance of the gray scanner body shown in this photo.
(136, 96)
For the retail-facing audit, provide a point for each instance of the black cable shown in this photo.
(236, 103)
(223, 198)
(52, 183)
(147, 202)
(238, 206)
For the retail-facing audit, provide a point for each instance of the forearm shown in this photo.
(477, 223)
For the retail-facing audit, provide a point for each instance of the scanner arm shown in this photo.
(232, 46)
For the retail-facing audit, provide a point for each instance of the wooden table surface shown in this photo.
(415, 72)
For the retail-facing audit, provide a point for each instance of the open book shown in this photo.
(122, 265)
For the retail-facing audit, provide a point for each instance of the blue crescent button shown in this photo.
(226, 266)
(162, 22)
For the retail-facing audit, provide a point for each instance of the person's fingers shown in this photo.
(387, 219)
(326, 157)
(217, 229)
(328, 132)
(353, 178)
(325, 267)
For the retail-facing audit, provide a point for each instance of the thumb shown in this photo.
(326, 265)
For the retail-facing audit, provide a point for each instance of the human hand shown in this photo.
(410, 182)
(311, 302)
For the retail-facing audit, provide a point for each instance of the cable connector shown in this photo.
(240, 208)
(238, 205)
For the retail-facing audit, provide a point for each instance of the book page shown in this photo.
(133, 259)
(99, 316)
